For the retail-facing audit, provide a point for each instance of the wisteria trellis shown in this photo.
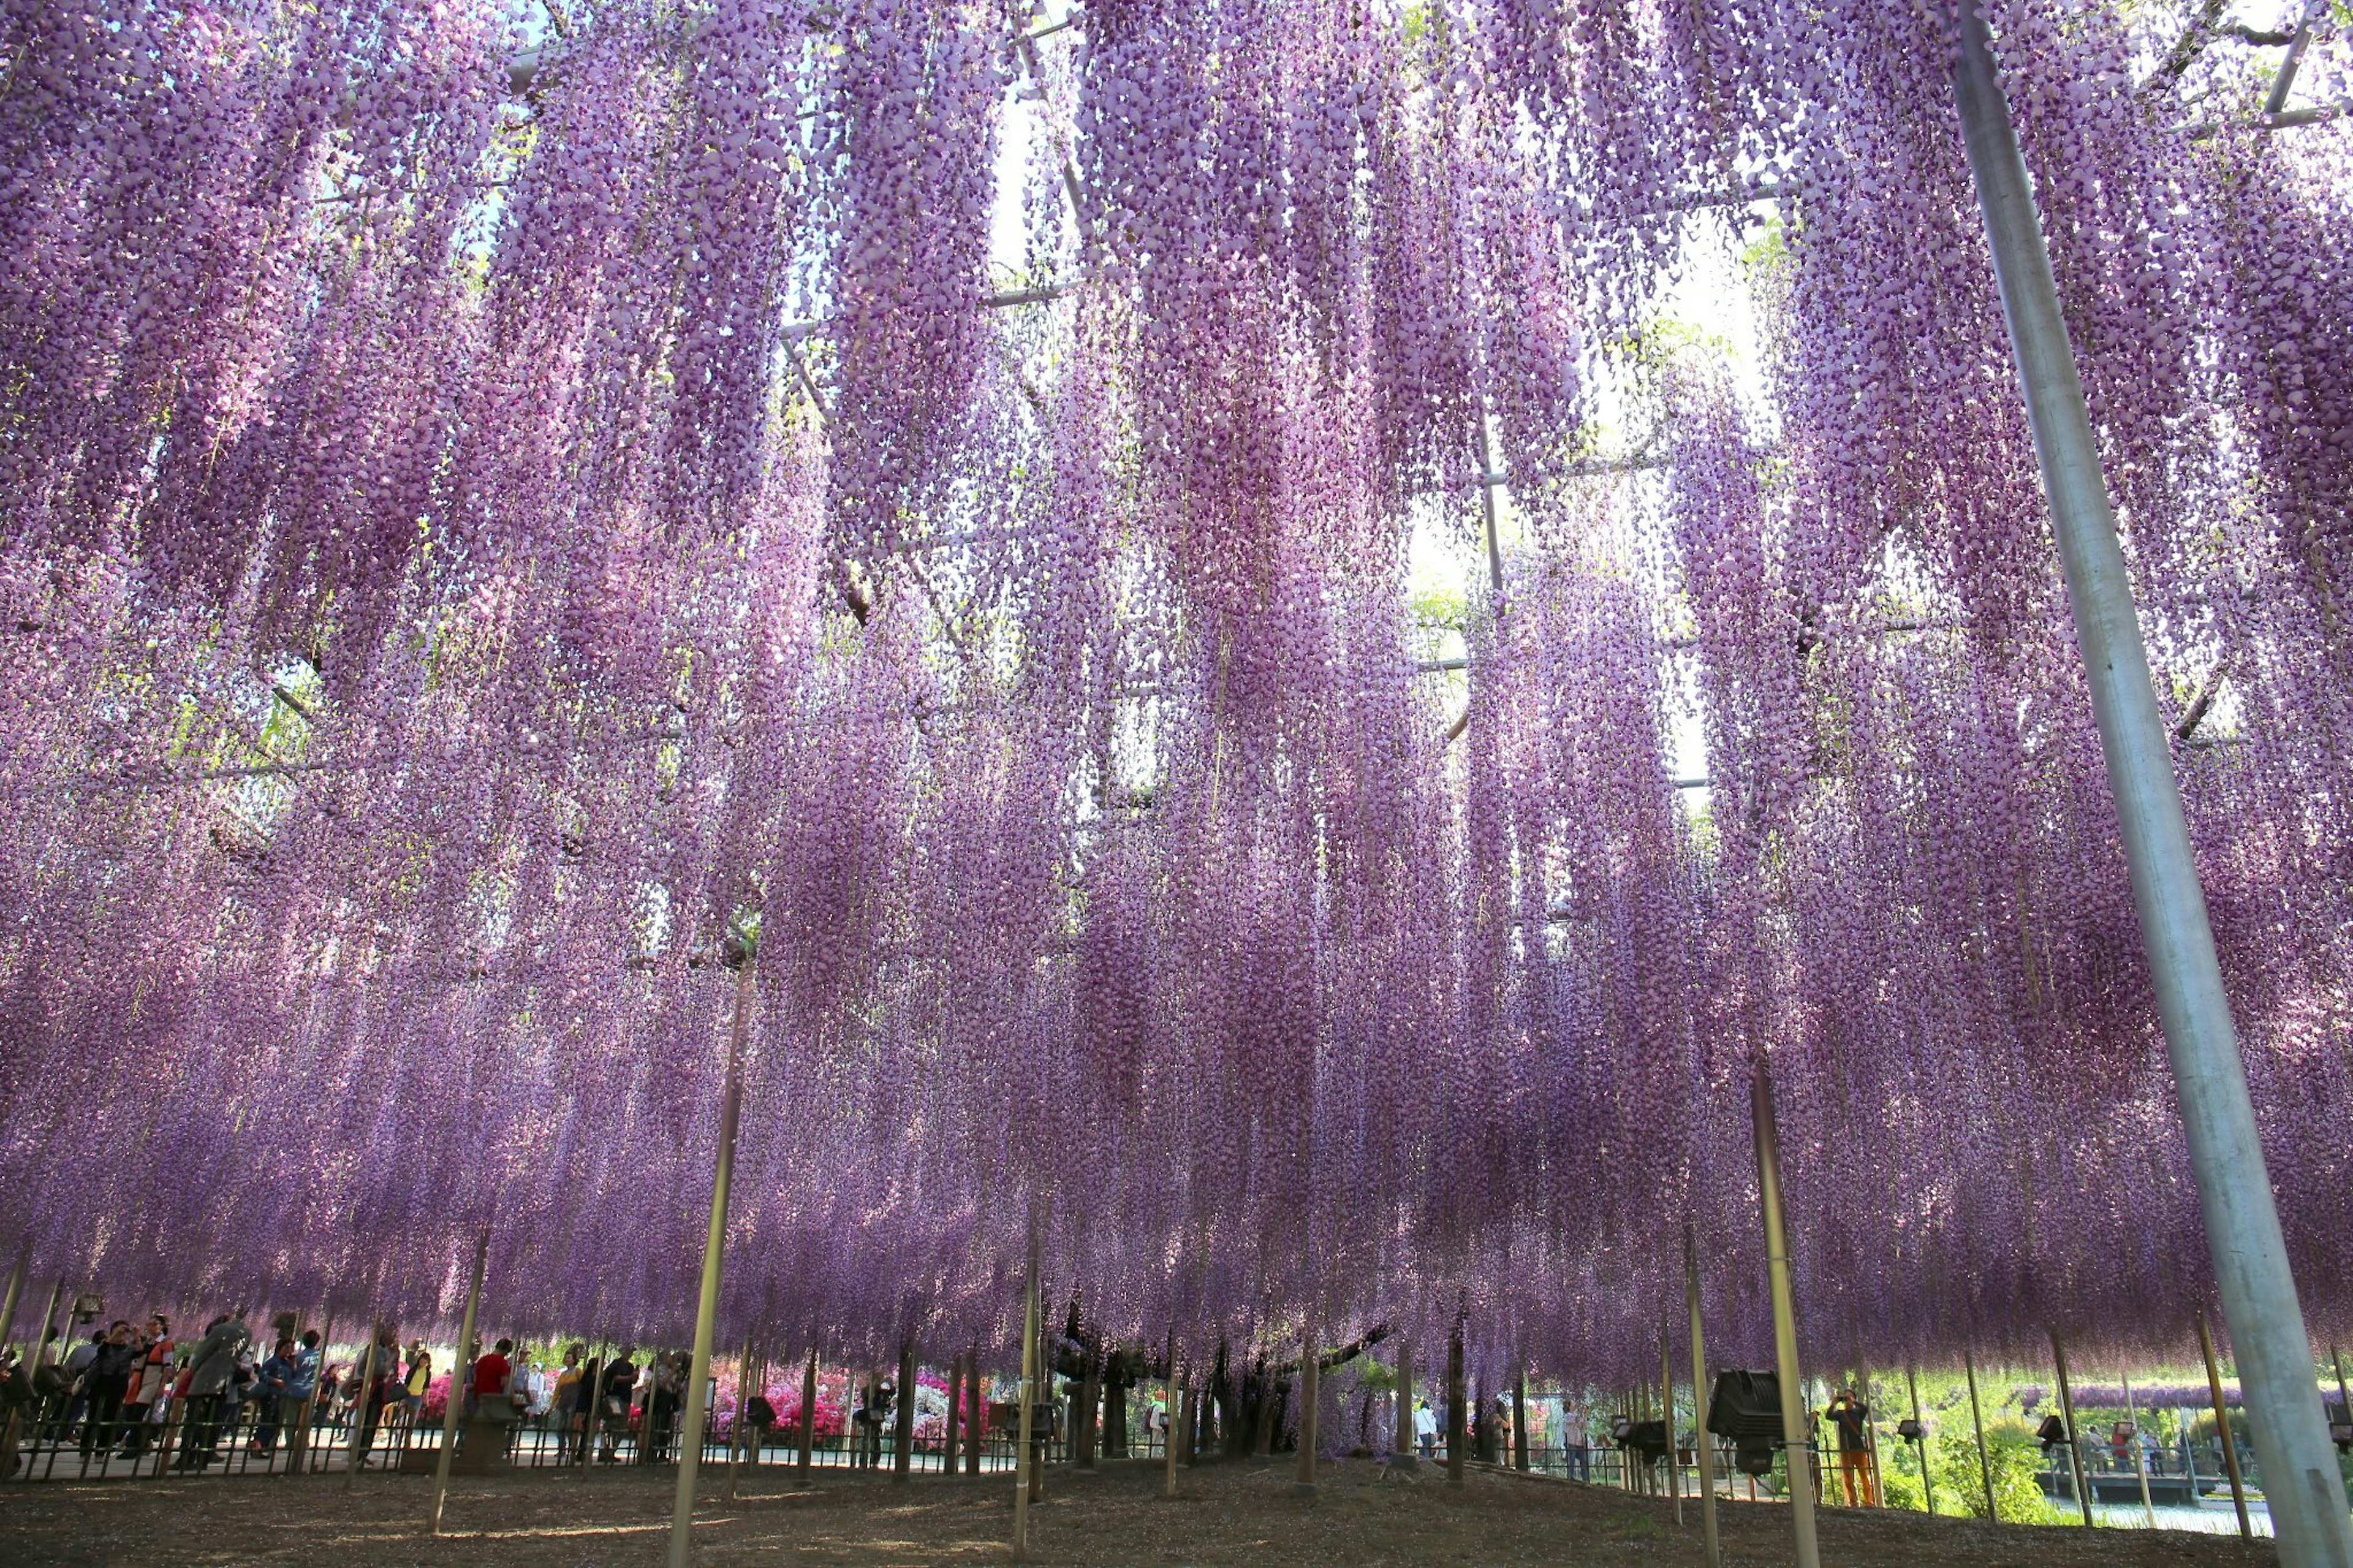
(492, 498)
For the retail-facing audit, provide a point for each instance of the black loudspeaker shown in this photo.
(1746, 1406)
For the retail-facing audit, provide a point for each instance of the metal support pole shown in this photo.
(2222, 1429)
(808, 1417)
(1796, 1444)
(1700, 1390)
(714, 1254)
(2067, 1413)
(2242, 1228)
(1928, 1476)
(1985, 1462)
(1667, 1422)
(1024, 1461)
(462, 1377)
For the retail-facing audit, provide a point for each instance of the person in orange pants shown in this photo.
(1853, 1418)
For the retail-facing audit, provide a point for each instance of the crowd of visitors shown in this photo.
(125, 1390)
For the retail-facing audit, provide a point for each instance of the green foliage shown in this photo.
(2016, 1458)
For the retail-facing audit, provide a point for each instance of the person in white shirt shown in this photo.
(1574, 1443)
(1425, 1429)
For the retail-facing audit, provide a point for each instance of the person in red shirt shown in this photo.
(492, 1376)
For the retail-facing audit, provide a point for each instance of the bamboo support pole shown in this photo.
(1796, 1443)
(2222, 1429)
(461, 1380)
(1985, 1462)
(2067, 1415)
(1711, 1541)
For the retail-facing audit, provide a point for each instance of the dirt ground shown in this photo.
(1226, 1514)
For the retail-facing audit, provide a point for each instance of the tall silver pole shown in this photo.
(706, 1304)
(462, 1377)
(2242, 1228)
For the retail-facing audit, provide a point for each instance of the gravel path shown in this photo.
(1228, 1514)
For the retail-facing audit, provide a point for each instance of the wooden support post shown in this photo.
(1985, 1461)
(1406, 1448)
(1170, 1424)
(1796, 1440)
(1711, 1541)
(2067, 1415)
(16, 1287)
(1309, 1383)
(358, 1456)
(808, 1417)
(462, 1375)
(1928, 1476)
(741, 1433)
(2140, 1455)
(1458, 1430)
(1520, 1418)
(1045, 1396)
(949, 1429)
(2222, 1429)
(975, 1431)
(903, 1430)
(715, 1256)
(1667, 1422)
(1024, 1461)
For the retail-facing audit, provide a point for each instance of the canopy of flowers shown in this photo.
(507, 511)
